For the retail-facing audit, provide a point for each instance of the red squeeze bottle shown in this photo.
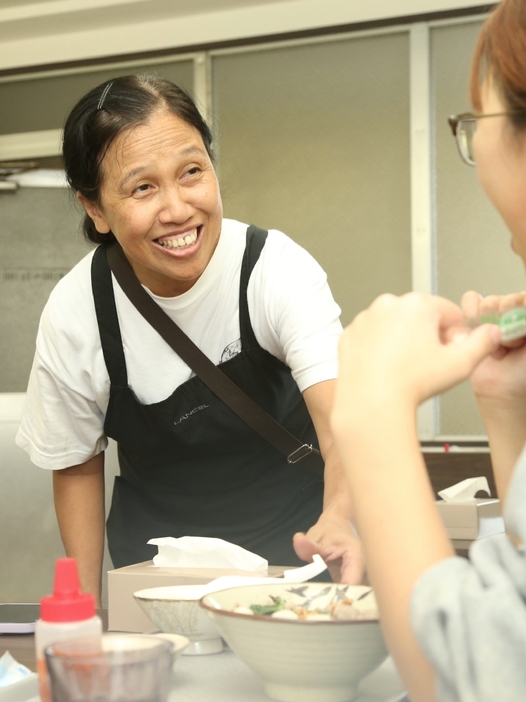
(66, 614)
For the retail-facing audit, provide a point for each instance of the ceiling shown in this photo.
(24, 19)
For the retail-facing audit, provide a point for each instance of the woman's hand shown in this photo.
(406, 350)
(336, 541)
(499, 383)
(502, 376)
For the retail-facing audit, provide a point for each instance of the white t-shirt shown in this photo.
(292, 311)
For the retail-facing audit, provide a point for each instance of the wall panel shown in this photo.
(472, 243)
(314, 140)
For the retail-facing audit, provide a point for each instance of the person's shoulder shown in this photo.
(232, 238)
(233, 229)
(79, 277)
(283, 250)
(278, 239)
(72, 294)
(280, 252)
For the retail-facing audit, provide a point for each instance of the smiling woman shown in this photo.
(138, 156)
(159, 197)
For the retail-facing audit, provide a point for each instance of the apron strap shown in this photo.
(107, 318)
(256, 239)
(212, 376)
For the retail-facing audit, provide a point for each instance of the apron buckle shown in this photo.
(301, 452)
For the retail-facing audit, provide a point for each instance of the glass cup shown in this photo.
(111, 668)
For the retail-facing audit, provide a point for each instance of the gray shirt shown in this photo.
(470, 616)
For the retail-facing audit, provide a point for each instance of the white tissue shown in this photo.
(11, 671)
(204, 552)
(294, 575)
(465, 490)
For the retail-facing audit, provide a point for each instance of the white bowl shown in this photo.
(175, 610)
(301, 660)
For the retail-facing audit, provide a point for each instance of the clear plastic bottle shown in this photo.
(66, 614)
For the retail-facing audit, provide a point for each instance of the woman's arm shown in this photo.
(79, 505)
(333, 535)
(394, 356)
(401, 531)
(506, 429)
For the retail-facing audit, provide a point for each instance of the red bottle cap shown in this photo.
(67, 603)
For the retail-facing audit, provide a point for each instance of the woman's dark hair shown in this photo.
(105, 112)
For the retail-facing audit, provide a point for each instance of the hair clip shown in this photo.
(104, 94)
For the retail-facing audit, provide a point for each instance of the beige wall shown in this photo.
(29, 537)
(209, 27)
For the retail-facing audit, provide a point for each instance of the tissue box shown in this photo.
(472, 519)
(24, 690)
(124, 614)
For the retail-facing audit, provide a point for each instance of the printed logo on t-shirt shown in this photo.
(231, 350)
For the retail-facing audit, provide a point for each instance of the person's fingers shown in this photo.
(490, 306)
(304, 547)
(450, 318)
(344, 564)
(499, 353)
(470, 304)
(352, 568)
(335, 570)
(448, 311)
(511, 301)
(473, 347)
(514, 343)
(474, 305)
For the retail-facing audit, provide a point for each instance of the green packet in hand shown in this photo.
(512, 323)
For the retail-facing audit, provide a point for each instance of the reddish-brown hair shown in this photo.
(500, 54)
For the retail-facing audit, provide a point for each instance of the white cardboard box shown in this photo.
(25, 690)
(473, 519)
(124, 614)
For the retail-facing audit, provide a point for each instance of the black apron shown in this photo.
(189, 466)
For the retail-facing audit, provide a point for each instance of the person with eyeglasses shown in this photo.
(456, 627)
(464, 127)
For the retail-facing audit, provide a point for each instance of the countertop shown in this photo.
(220, 677)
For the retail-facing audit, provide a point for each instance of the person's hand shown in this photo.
(501, 377)
(335, 540)
(499, 383)
(405, 350)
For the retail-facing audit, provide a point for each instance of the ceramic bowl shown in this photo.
(175, 610)
(301, 660)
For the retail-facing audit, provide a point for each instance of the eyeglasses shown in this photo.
(464, 127)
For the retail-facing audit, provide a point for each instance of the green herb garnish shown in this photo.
(265, 610)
